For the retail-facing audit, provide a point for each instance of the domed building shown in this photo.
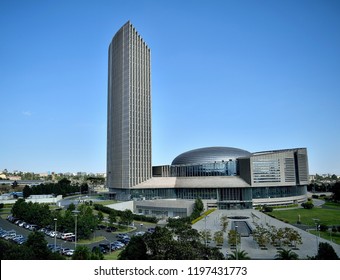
(210, 154)
(224, 178)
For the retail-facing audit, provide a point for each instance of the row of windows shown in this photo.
(266, 171)
(224, 194)
(228, 168)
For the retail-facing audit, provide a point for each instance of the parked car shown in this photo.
(125, 240)
(118, 244)
(70, 238)
(106, 246)
(54, 248)
(64, 250)
(111, 229)
(69, 252)
(151, 230)
(22, 224)
(122, 235)
(101, 249)
(33, 227)
(65, 236)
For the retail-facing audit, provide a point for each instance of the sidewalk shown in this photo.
(309, 246)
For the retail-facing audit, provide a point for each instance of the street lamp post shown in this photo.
(206, 237)
(55, 233)
(316, 221)
(236, 235)
(75, 212)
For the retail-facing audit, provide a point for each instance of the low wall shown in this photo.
(50, 200)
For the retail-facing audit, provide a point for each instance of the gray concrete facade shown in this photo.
(129, 110)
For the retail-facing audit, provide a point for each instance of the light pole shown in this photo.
(206, 237)
(236, 235)
(316, 221)
(55, 233)
(75, 212)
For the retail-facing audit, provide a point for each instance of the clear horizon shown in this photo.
(255, 75)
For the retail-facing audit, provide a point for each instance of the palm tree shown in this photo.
(286, 255)
(81, 253)
(241, 255)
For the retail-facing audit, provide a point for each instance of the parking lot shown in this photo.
(18, 231)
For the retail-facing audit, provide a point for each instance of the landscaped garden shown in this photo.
(327, 216)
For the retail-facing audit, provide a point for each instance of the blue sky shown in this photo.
(256, 75)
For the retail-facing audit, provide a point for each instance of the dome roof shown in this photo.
(209, 154)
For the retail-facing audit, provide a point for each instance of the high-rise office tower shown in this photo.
(129, 112)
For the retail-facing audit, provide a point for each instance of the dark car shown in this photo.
(124, 240)
(106, 246)
(99, 249)
(111, 229)
(101, 227)
(122, 235)
(70, 238)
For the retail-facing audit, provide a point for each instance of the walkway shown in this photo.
(309, 246)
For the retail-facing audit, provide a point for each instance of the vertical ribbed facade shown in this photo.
(129, 110)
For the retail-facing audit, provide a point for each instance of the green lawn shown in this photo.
(328, 215)
(112, 256)
(328, 235)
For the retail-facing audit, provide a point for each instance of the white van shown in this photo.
(67, 235)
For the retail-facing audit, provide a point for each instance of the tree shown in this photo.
(100, 216)
(126, 217)
(19, 208)
(234, 238)
(239, 255)
(135, 250)
(261, 235)
(326, 252)
(36, 244)
(165, 244)
(158, 243)
(206, 235)
(112, 217)
(224, 223)
(87, 222)
(292, 237)
(198, 209)
(71, 207)
(26, 191)
(182, 230)
(286, 255)
(336, 191)
(218, 238)
(81, 253)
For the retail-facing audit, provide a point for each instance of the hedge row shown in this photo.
(109, 210)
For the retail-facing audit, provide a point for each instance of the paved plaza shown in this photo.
(309, 246)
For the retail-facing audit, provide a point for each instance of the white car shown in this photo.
(69, 252)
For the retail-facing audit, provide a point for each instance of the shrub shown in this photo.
(267, 208)
(307, 205)
(323, 227)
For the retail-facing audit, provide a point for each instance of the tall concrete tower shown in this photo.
(129, 112)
